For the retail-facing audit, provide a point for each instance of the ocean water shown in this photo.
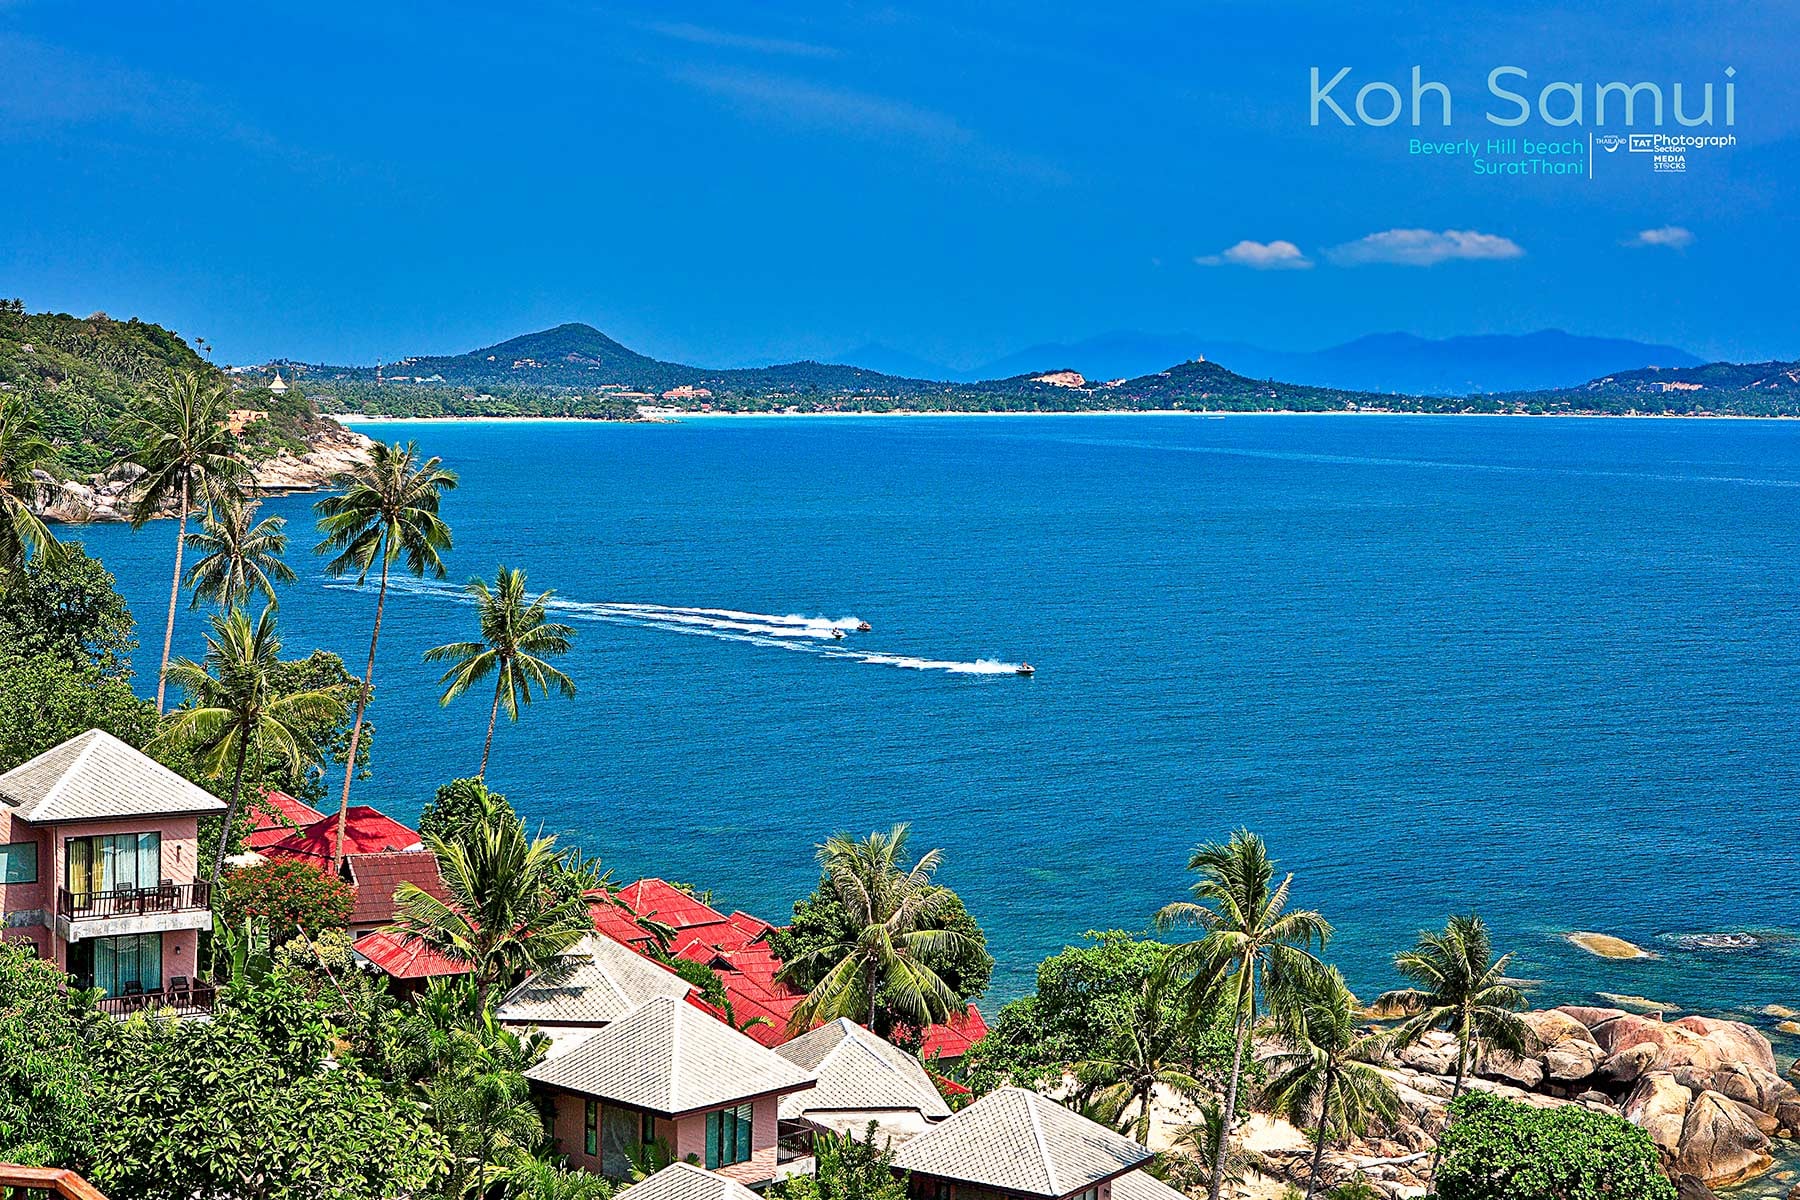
(1546, 670)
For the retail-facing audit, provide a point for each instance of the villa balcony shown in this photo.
(182, 998)
(165, 908)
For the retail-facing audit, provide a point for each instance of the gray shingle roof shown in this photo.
(603, 982)
(1022, 1142)
(1141, 1185)
(670, 1058)
(96, 777)
(857, 1072)
(685, 1181)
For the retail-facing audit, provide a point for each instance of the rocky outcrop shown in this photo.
(1708, 1093)
(109, 495)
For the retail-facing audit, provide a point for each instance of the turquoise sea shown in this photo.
(1545, 669)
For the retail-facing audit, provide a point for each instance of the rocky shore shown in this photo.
(1708, 1092)
(107, 496)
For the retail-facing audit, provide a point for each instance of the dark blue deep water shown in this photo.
(1546, 669)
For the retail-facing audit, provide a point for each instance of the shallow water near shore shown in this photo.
(1541, 669)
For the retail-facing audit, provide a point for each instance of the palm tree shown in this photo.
(1249, 930)
(388, 510)
(22, 450)
(879, 973)
(241, 554)
(1321, 1067)
(1461, 988)
(506, 915)
(232, 708)
(514, 634)
(1151, 1047)
(183, 443)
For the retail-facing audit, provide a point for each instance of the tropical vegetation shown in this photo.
(385, 512)
(1499, 1149)
(517, 639)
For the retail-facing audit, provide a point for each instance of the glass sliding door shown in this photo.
(113, 964)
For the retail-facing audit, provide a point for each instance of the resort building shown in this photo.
(861, 1079)
(102, 872)
(377, 877)
(669, 1072)
(1015, 1144)
(366, 831)
(595, 984)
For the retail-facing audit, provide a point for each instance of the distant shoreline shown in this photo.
(675, 417)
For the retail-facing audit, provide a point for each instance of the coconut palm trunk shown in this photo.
(174, 595)
(1231, 1095)
(231, 812)
(1318, 1160)
(493, 716)
(362, 703)
(1462, 1070)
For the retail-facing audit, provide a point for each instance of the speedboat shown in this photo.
(863, 627)
(1024, 669)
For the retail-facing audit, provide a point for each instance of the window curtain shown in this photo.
(136, 958)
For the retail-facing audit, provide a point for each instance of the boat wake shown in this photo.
(818, 636)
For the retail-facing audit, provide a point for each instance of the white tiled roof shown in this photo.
(857, 1072)
(600, 982)
(1022, 1142)
(96, 777)
(685, 1181)
(1141, 1185)
(669, 1057)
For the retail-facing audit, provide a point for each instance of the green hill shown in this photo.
(81, 375)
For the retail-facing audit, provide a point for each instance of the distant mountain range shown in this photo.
(576, 370)
(1381, 362)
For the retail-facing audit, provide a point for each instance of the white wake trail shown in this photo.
(815, 635)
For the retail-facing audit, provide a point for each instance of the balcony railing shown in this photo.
(186, 1000)
(31, 1183)
(131, 902)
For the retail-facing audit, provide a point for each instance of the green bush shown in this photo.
(1499, 1150)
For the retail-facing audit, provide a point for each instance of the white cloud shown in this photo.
(1259, 256)
(1423, 247)
(1672, 237)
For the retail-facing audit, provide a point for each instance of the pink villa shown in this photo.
(101, 869)
(669, 1072)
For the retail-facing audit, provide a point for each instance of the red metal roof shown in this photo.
(278, 815)
(377, 877)
(406, 958)
(951, 1040)
(366, 831)
(736, 947)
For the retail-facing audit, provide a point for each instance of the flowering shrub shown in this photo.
(287, 892)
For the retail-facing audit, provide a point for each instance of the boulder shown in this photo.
(1734, 1041)
(1434, 1054)
(1555, 1026)
(1689, 1187)
(1719, 1143)
(1511, 1068)
(1572, 1060)
(1627, 1066)
(1658, 1105)
(1588, 1016)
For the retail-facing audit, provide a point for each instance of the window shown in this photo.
(1092, 1193)
(18, 863)
(114, 862)
(728, 1135)
(590, 1138)
(648, 1131)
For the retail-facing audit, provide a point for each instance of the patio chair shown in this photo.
(180, 990)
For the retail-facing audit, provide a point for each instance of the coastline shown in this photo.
(677, 416)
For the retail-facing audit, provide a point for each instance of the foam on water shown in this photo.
(768, 630)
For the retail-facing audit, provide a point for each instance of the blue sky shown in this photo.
(732, 183)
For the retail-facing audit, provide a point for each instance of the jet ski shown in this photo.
(838, 634)
(863, 627)
(1024, 669)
